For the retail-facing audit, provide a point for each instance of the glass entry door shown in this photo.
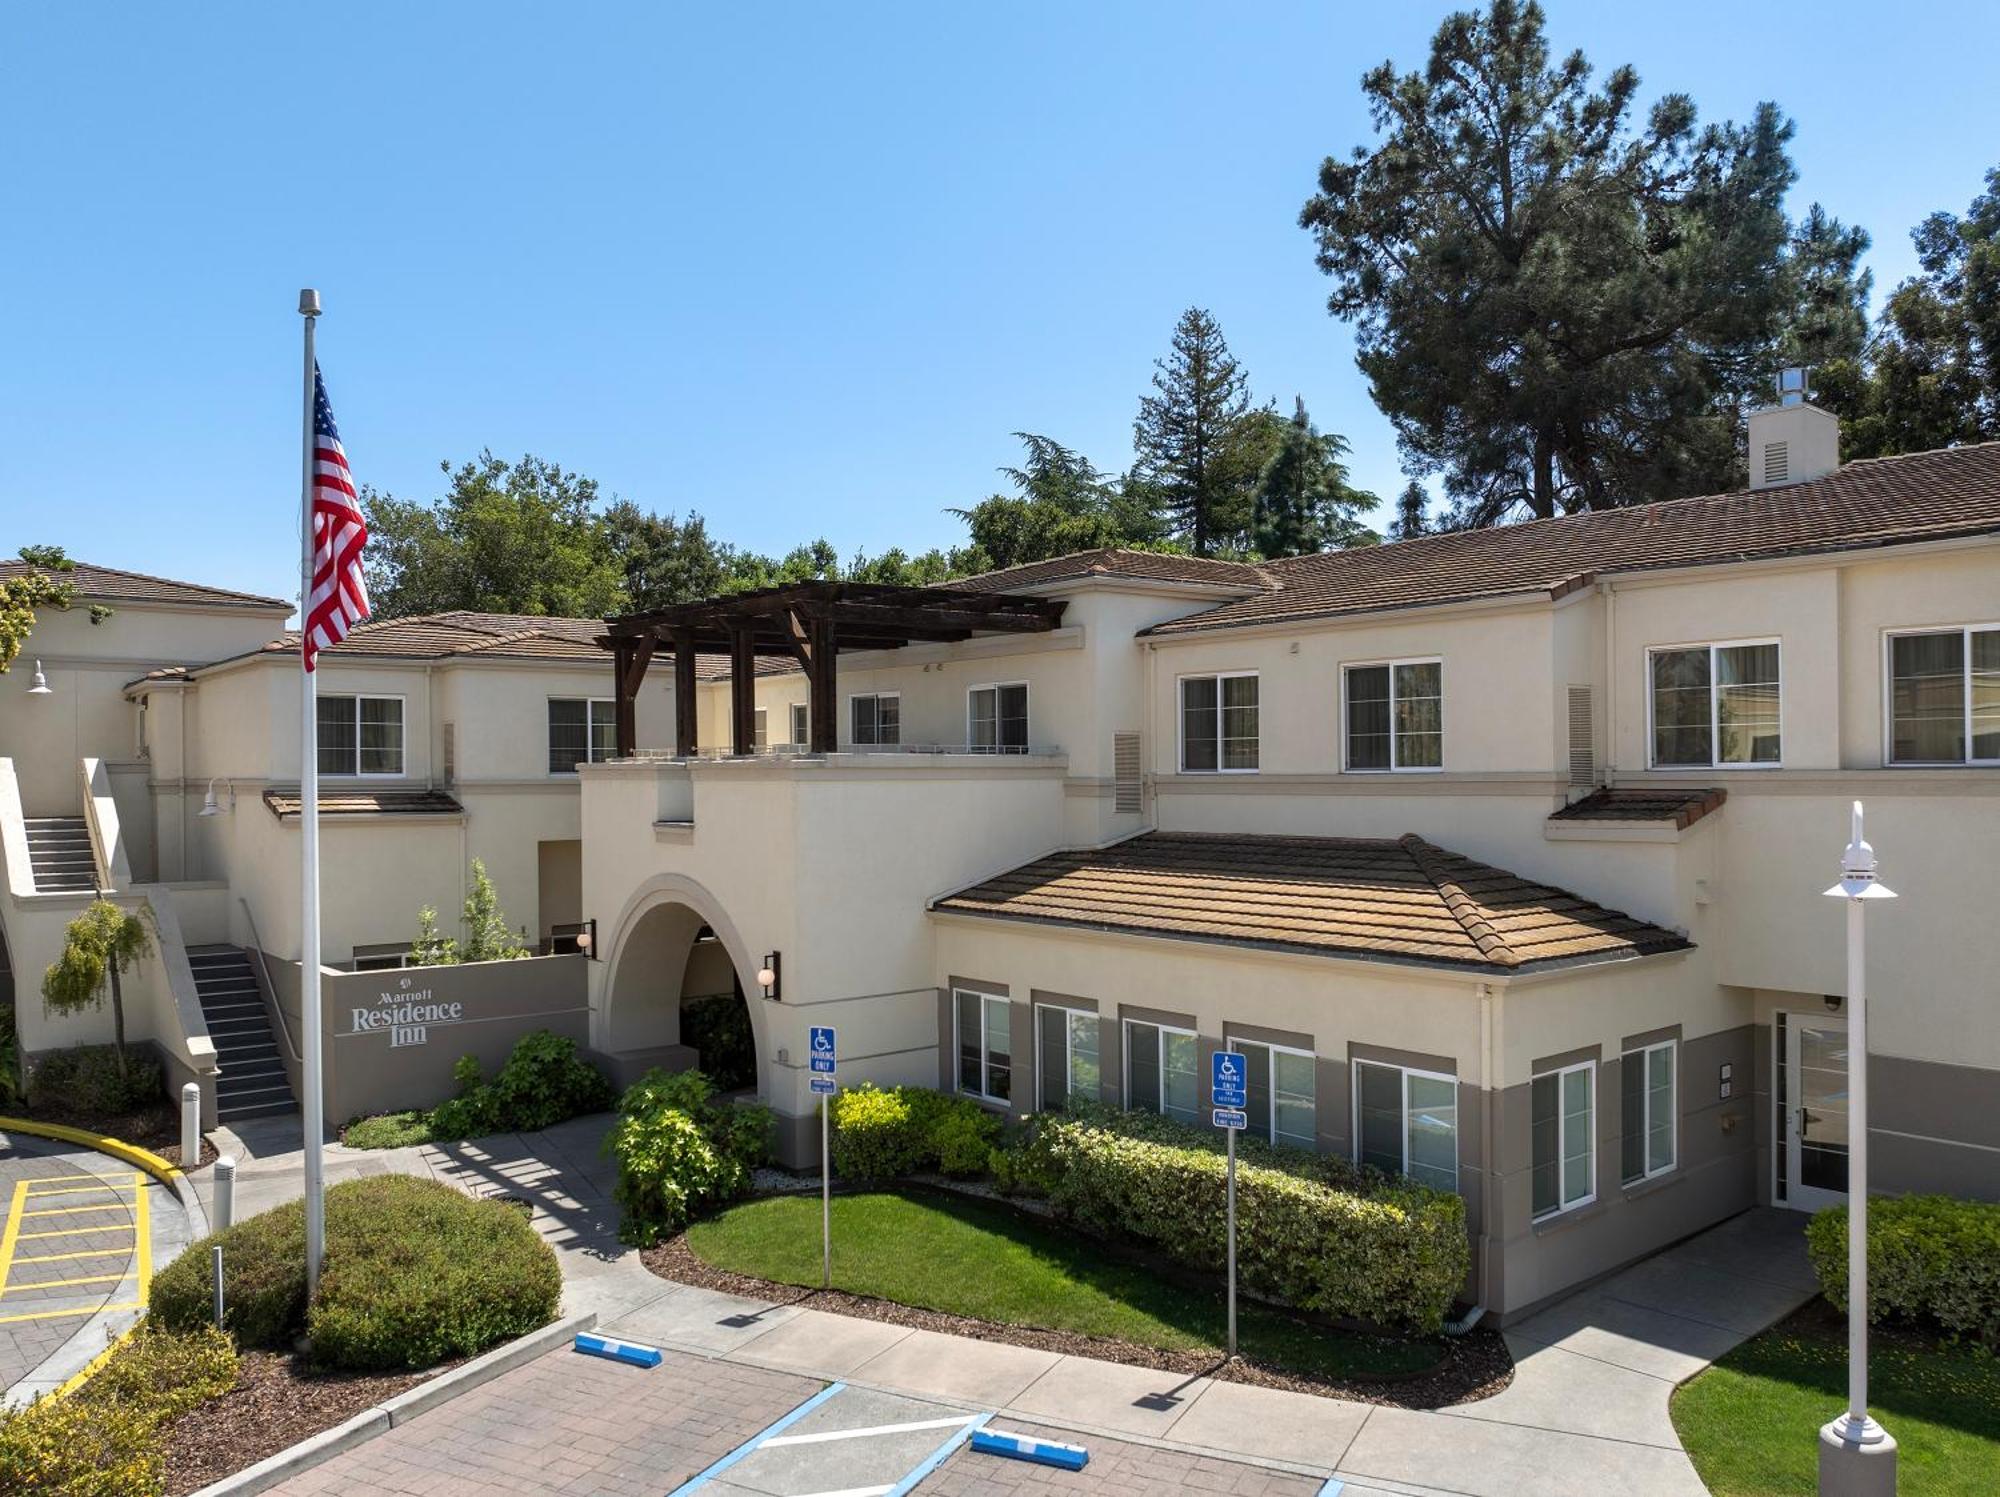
(1815, 1094)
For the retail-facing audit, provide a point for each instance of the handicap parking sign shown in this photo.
(1230, 1079)
(822, 1048)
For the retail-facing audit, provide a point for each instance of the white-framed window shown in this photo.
(1161, 1070)
(1648, 1087)
(1067, 1068)
(1406, 1122)
(996, 718)
(1943, 690)
(985, 1044)
(876, 719)
(1562, 1128)
(1282, 1085)
(581, 731)
(1219, 723)
(801, 725)
(1716, 705)
(1393, 712)
(361, 736)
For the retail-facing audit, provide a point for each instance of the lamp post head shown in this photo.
(1857, 869)
(39, 686)
(308, 303)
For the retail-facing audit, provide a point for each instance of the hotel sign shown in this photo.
(407, 1015)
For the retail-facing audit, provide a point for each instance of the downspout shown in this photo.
(1490, 1127)
(181, 796)
(1610, 681)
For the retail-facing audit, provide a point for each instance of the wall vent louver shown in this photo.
(1777, 462)
(1127, 787)
(1582, 752)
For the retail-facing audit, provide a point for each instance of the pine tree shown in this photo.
(1304, 502)
(1412, 513)
(1182, 437)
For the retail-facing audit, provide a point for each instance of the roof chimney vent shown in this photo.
(1792, 441)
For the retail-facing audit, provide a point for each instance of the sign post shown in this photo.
(823, 1053)
(1229, 1092)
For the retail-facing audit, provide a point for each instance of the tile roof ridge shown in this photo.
(1465, 909)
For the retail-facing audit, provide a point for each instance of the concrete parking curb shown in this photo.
(392, 1412)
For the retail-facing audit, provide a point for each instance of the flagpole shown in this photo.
(309, 951)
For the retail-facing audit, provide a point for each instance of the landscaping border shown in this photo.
(393, 1412)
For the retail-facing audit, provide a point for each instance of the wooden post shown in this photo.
(628, 717)
(685, 701)
(823, 709)
(742, 693)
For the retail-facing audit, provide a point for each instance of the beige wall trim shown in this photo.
(1366, 782)
(1944, 780)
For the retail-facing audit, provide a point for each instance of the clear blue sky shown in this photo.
(800, 267)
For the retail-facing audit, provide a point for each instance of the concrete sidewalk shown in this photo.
(1586, 1412)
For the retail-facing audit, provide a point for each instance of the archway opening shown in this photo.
(676, 1000)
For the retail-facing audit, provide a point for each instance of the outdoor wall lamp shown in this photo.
(209, 806)
(767, 977)
(586, 939)
(39, 687)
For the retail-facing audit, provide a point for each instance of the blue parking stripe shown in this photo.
(1333, 1488)
(937, 1457)
(750, 1445)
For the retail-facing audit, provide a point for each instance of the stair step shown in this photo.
(261, 1110)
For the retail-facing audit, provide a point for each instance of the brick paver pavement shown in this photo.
(1115, 1466)
(571, 1424)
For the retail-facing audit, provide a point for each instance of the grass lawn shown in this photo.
(388, 1130)
(1750, 1422)
(980, 1259)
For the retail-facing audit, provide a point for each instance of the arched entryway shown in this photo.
(674, 994)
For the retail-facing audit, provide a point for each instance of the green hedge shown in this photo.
(102, 1441)
(415, 1273)
(1932, 1260)
(880, 1133)
(1384, 1251)
(680, 1152)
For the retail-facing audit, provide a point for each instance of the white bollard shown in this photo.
(225, 1192)
(190, 1127)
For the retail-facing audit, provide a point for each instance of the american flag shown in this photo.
(339, 598)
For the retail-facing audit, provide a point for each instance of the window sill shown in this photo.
(1639, 1189)
(1573, 1216)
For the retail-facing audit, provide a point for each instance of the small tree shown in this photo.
(102, 942)
(432, 948)
(488, 937)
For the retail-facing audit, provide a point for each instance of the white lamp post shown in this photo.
(39, 686)
(1857, 1457)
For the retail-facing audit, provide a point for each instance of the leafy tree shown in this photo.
(1828, 289)
(1189, 448)
(1412, 513)
(1933, 375)
(98, 945)
(1304, 501)
(520, 538)
(664, 560)
(43, 585)
(1557, 310)
(488, 937)
(1062, 502)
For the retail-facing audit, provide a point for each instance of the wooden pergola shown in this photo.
(808, 622)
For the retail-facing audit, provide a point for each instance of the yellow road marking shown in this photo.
(143, 1228)
(134, 1304)
(66, 1257)
(12, 1233)
(60, 1210)
(78, 1231)
(78, 1190)
(102, 1278)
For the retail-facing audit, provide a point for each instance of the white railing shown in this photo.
(100, 814)
(801, 751)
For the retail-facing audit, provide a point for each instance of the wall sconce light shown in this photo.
(767, 977)
(586, 939)
(1833, 1002)
(209, 807)
(39, 686)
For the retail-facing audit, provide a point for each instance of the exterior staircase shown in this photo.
(252, 1082)
(60, 855)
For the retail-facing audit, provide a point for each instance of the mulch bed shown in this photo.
(1476, 1365)
(275, 1403)
(156, 1128)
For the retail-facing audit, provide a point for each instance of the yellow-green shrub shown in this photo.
(1931, 1260)
(1392, 1253)
(882, 1133)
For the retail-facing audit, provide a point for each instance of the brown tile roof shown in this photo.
(344, 801)
(1400, 901)
(113, 585)
(1147, 566)
(1877, 502)
(1683, 808)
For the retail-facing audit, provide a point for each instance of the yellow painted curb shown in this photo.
(132, 1154)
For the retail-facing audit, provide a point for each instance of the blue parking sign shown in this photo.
(822, 1048)
(1230, 1079)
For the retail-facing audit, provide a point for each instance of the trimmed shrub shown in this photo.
(102, 1441)
(84, 1081)
(680, 1153)
(415, 1272)
(1393, 1254)
(963, 1140)
(1932, 1260)
(877, 1135)
(544, 1082)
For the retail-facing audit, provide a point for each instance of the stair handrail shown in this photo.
(100, 820)
(270, 988)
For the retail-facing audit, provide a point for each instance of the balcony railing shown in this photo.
(801, 751)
